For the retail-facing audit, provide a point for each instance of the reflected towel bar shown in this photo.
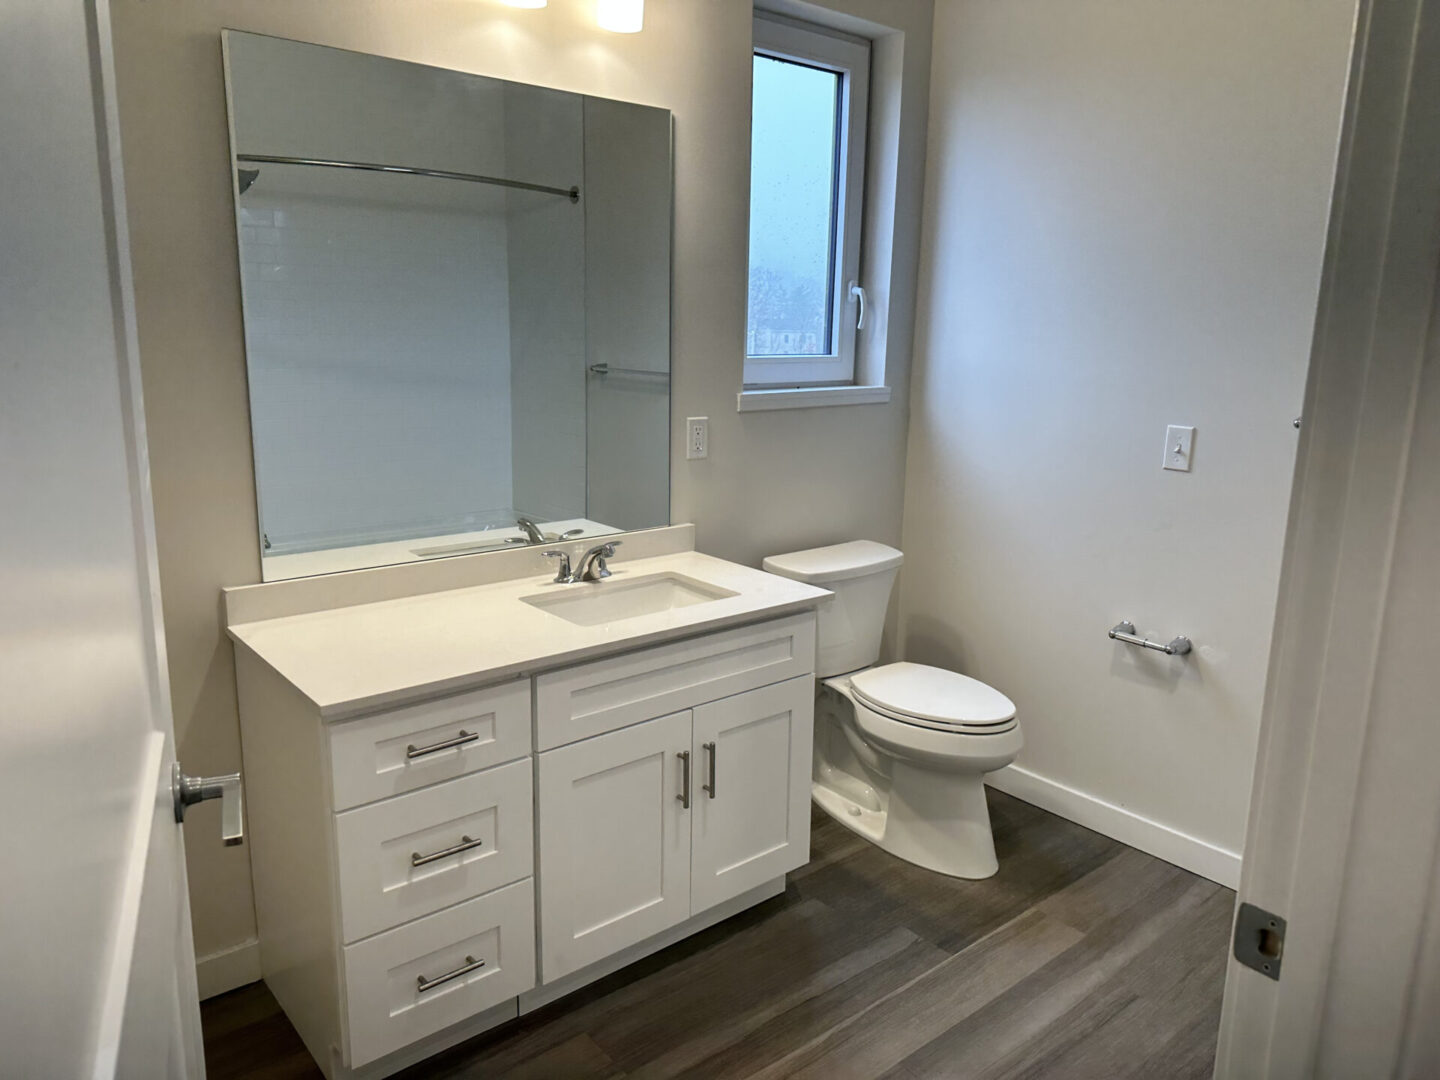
(1125, 631)
(571, 193)
(606, 369)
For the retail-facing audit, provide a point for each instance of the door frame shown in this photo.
(1322, 717)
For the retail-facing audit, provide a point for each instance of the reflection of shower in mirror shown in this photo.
(438, 269)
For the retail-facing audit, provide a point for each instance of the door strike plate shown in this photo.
(1259, 940)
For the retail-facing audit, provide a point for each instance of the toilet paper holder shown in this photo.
(1125, 631)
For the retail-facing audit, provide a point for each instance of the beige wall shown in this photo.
(774, 481)
(1126, 211)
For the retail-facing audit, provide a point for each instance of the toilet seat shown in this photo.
(935, 698)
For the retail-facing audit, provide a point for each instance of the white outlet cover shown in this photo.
(1179, 447)
(697, 437)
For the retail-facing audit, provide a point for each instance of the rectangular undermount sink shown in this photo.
(595, 603)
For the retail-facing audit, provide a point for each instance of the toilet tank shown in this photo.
(861, 575)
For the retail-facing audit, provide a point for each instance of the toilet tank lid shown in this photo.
(834, 563)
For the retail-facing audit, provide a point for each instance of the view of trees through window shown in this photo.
(794, 141)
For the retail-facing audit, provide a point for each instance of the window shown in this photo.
(807, 170)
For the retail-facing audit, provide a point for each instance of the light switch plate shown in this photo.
(697, 437)
(1179, 443)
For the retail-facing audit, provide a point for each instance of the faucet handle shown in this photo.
(562, 577)
(594, 568)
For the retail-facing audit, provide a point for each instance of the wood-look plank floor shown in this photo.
(1082, 958)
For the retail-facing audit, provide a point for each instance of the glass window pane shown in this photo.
(793, 149)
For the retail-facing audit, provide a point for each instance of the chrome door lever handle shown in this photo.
(189, 790)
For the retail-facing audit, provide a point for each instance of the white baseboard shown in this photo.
(1185, 851)
(228, 969)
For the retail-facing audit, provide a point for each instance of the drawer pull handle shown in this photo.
(471, 964)
(466, 843)
(684, 796)
(710, 752)
(412, 751)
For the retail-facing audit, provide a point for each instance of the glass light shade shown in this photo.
(620, 16)
(526, 3)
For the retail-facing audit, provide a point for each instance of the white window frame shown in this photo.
(819, 47)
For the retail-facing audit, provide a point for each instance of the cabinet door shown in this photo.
(752, 789)
(614, 841)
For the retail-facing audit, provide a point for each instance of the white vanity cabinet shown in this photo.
(427, 870)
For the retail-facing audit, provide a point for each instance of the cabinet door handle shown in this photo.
(710, 752)
(471, 964)
(412, 751)
(466, 843)
(684, 796)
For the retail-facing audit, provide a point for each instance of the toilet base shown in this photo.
(867, 823)
(940, 823)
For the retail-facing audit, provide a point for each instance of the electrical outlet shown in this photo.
(697, 437)
(1178, 444)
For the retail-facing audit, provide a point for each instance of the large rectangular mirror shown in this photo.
(457, 307)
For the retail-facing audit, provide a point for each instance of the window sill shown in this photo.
(810, 397)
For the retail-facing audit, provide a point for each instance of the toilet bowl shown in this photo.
(902, 749)
(931, 770)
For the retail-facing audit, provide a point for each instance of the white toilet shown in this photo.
(901, 750)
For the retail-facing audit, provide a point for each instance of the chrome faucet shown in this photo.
(592, 564)
(535, 535)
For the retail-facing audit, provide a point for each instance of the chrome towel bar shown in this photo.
(1125, 631)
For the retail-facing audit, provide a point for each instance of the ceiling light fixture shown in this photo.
(620, 16)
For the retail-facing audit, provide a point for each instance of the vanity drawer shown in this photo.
(593, 698)
(493, 936)
(387, 753)
(485, 818)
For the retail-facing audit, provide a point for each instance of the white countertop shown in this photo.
(354, 659)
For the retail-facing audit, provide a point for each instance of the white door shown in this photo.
(752, 802)
(614, 841)
(97, 971)
(1343, 842)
